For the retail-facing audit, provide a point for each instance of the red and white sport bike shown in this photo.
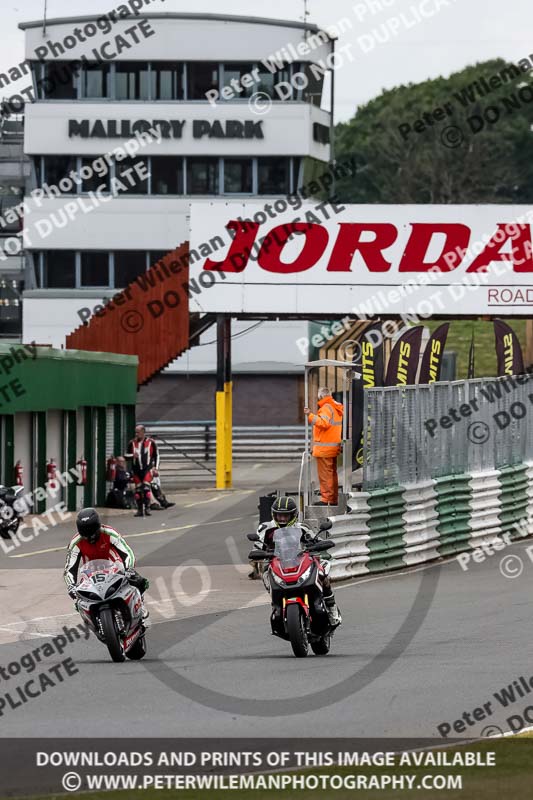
(112, 608)
(294, 579)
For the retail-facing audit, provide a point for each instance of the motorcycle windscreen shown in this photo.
(287, 545)
(100, 565)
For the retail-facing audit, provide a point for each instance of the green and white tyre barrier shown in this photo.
(402, 526)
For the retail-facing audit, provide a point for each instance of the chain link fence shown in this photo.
(415, 433)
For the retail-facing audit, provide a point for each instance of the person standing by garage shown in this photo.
(142, 450)
(327, 438)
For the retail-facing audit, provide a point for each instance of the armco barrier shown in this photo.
(401, 526)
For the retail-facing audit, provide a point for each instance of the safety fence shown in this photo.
(416, 433)
(448, 468)
(188, 450)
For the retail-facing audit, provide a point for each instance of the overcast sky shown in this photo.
(460, 32)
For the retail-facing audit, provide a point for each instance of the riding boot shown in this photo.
(334, 615)
(139, 509)
(147, 511)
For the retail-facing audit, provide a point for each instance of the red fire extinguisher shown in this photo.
(51, 471)
(82, 463)
(111, 469)
(19, 473)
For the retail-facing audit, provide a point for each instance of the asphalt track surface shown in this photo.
(416, 649)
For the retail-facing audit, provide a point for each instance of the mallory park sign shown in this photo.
(170, 129)
(429, 260)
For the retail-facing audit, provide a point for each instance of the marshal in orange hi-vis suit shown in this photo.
(327, 437)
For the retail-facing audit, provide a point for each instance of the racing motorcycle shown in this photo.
(112, 608)
(10, 514)
(294, 580)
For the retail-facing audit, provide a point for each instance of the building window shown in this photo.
(235, 72)
(95, 269)
(167, 174)
(156, 255)
(132, 81)
(58, 167)
(129, 264)
(100, 179)
(167, 80)
(200, 79)
(59, 269)
(238, 176)
(202, 176)
(273, 176)
(132, 183)
(269, 80)
(96, 81)
(59, 81)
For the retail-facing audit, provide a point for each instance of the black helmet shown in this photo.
(88, 524)
(284, 511)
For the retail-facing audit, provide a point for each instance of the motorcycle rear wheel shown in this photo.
(322, 646)
(296, 630)
(114, 645)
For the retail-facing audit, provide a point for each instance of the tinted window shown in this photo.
(201, 78)
(59, 81)
(202, 176)
(167, 175)
(60, 269)
(58, 167)
(132, 81)
(94, 269)
(235, 72)
(132, 183)
(167, 81)
(128, 265)
(100, 177)
(238, 174)
(274, 176)
(96, 80)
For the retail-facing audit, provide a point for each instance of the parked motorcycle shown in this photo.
(294, 580)
(112, 608)
(10, 516)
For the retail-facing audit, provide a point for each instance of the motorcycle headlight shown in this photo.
(304, 576)
(277, 579)
(88, 595)
(115, 586)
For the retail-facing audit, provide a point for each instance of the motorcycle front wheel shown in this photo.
(321, 647)
(114, 645)
(297, 631)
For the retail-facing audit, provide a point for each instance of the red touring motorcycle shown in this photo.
(294, 581)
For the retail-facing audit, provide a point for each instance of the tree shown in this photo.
(477, 149)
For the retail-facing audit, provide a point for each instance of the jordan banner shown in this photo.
(508, 350)
(432, 358)
(403, 363)
(369, 360)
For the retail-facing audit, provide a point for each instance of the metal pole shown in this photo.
(44, 17)
(332, 126)
(224, 404)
